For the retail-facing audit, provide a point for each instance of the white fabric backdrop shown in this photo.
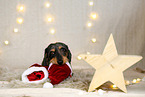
(124, 18)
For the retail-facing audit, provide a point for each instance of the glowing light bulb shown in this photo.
(114, 87)
(50, 19)
(94, 40)
(47, 4)
(79, 58)
(52, 31)
(138, 79)
(127, 82)
(89, 24)
(94, 16)
(91, 3)
(21, 8)
(6, 42)
(134, 81)
(16, 30)
(20, 20)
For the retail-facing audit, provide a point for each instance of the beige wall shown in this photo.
(124, 18)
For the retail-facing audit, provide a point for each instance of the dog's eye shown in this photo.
(63, 49)
(52, 54)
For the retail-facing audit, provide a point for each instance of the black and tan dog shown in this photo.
(56, 53)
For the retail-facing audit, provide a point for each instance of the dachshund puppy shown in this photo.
(56, 53)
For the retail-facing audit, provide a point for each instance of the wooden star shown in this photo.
(109, 66)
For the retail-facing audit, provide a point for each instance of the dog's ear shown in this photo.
(44, 62)
(69, 53)
(69, 56)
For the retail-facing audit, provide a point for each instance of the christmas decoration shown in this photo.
(47, 4)
(20, 20)
(38, 73)
(35, 74)
(6, 42)
(20, 8)
(91, 3)
(52, 31)
(58, 73)
(16, 30)
(109, 66)
(94, 16)
(47, 85)
(89, 24)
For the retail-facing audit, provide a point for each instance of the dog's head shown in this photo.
(56, 53)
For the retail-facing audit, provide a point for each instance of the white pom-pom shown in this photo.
(47, 85)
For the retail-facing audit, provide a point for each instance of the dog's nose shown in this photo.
(60, 62)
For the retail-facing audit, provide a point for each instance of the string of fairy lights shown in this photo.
(50, 18)
(92, 16)
(19, 20)
(114, 87)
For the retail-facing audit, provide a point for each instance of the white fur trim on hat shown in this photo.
(31, 70)
(68, 64)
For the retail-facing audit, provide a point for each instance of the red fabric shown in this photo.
(57, 73)
(37, 75)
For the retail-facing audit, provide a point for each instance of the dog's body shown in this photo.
(56, 53)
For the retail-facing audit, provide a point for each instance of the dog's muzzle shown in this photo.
(60, 62)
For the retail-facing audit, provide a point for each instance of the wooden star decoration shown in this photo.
(109, 66)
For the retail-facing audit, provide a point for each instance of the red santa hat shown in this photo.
(58, 73)
(38, 73)
(35, 74)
